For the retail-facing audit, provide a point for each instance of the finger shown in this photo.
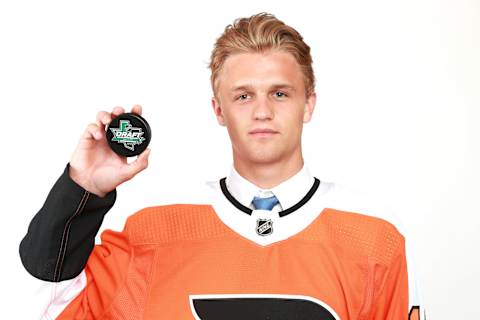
(129, 170)
(103, 118)
(117, 111)
(92, 132)
(137, 109)
(145, 154)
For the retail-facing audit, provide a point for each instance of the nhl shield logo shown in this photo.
(264, 227)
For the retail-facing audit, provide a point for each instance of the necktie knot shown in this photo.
(264, 203)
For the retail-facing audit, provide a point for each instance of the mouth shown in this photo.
(263, 132)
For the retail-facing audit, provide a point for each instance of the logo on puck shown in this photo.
(127, 135)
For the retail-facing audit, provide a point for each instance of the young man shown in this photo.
(268, 241)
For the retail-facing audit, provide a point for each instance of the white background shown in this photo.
(398, 86)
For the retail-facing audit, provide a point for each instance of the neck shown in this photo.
(268, 175)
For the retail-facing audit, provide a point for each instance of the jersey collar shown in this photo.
(289, 192)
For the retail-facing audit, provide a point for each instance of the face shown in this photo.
(262, 102)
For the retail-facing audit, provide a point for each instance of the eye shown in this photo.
(282, 94)
(242, 96)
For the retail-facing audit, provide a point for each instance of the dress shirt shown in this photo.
(288, 192)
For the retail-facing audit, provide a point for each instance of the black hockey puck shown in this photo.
(128, 134)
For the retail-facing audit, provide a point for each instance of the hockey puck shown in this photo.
(128, 134)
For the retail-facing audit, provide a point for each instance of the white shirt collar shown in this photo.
(288, 193)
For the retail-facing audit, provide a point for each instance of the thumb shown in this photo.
(129, 170)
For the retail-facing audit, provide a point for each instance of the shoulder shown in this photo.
(172, 222)
(183, 211)
(363, 205)
(373, 224)
(359, 225)
(175, 203)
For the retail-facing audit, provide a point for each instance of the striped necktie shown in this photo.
(264, 203)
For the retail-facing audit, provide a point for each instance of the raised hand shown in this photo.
(94, 166)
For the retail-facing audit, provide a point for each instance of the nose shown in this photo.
(263, 108)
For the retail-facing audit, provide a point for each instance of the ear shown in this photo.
(309, 107)
(217, 109)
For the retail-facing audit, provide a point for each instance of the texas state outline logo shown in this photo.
(127, 135)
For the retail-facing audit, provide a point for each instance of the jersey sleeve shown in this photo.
(392, 301)
(105, 274)
(61, 235)
(416, 304)
(58, 243)
(392, 297)
(355, 200)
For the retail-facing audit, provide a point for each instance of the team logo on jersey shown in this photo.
(264, 227)
(259, 307)
(127, 135)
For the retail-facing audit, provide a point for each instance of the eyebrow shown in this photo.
(275, 86)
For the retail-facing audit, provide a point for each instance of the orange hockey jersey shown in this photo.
(330, 257)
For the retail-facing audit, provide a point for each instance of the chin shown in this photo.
(264, 156)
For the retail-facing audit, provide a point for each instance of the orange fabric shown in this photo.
(352, 262)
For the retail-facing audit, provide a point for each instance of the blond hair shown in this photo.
(260, 33)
